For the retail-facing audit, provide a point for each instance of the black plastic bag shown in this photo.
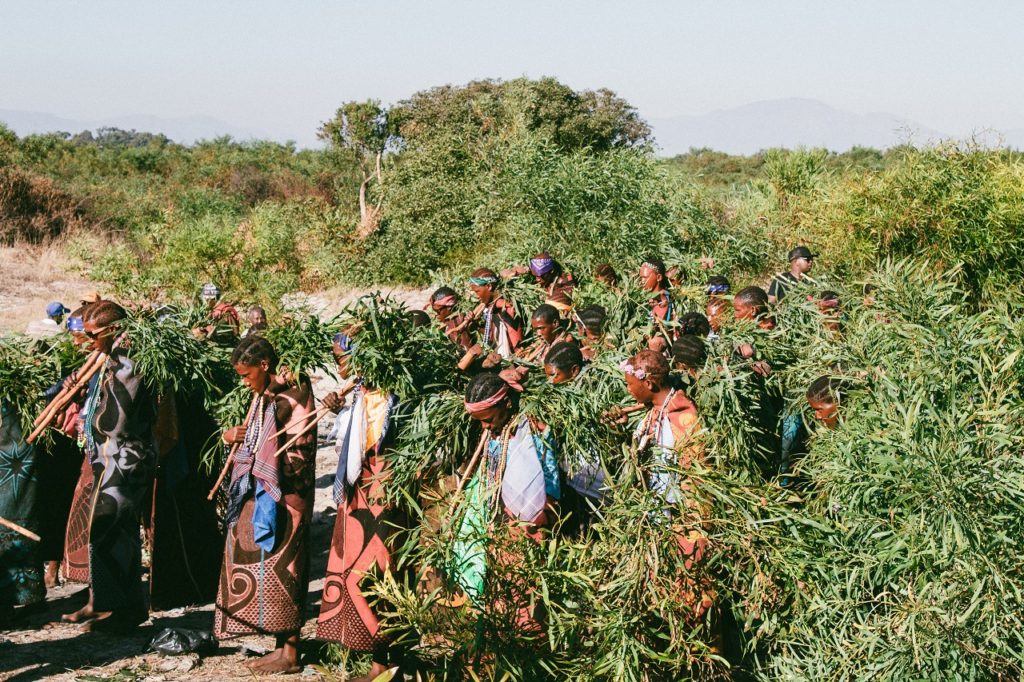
(178, 641)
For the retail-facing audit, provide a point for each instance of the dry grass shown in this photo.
(33, 276)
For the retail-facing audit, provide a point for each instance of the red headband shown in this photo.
(445, 301)
(488, 403)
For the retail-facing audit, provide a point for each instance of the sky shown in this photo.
(283, 67)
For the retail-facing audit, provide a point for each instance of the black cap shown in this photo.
(800, 252)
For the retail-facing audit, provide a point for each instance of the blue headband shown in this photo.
(718, 289)
(75, 324)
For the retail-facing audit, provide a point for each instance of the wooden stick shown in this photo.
(86, 366)
(83, 380)
(19, 529)
(321, 413)
(472, 462)
(231, 454)
(469, 318)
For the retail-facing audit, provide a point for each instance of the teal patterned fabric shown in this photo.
(21, 577)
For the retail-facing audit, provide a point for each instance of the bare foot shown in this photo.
(274, 663)
(50, 575)
(82, 615)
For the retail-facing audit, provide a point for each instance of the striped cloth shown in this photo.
(255, 460)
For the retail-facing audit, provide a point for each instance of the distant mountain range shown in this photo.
(797, 122)
(793, 122)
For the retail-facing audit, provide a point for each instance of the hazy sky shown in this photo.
(282, 67)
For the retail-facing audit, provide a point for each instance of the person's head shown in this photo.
(56, 311)
(561, 302)
(490, 401)
(484, 284)
(750, 303)
(563, 362)
(652, 274)
(606, 275)
(210, 293)
(546, 322)
(341, 348)
(257, 316)
(419, 318)
(544, 268)
(76, 326)
(255, 360)
(828, 305)
(646, 375)
(825, 395)
(869, 294)
(443, 302)
(591, 321)
(100, 324)
(801, 260)
(718, 288)
(689, 352)
(91, 297)
(694, 323)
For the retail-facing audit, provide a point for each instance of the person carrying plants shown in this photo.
(265, 575)
(515, 480)
(717, 307)
(549, 329)
(654, 280)
(366, 526)
(801, 260)
(501, 331)
(667, 440)
(117, 426)
(443, 302)
(590, 322)
(547, 273)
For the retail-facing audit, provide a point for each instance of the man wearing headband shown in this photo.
(801, 260)
(717, 306)
(500, 330)
(547, 272)
(443, 302)
(654, 280)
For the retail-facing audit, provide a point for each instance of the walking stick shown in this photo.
(472, 461)
(19, 529)
(57, 405)
(86, 367)
(231, 454)
(469, 318)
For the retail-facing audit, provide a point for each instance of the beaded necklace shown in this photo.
(495, 468)
(255, 419)
(649, 422)
(487, 324)
(87, 438)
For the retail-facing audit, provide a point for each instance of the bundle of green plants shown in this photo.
(24, 377)
(917, 493)
(391, 354)
(172, 359)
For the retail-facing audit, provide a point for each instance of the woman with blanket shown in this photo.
(365, 526)
(264, 581)
(516, 482)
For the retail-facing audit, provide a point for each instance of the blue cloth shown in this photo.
(545, 444)
(264, 519)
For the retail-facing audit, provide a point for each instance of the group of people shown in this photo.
(516, 475)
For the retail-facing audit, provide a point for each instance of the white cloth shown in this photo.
(659, 480)
(522, 486)
(42, 329)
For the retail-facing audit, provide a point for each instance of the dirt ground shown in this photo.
(39, 649)
(36, 647)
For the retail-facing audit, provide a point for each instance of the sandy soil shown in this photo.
(30, 278)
